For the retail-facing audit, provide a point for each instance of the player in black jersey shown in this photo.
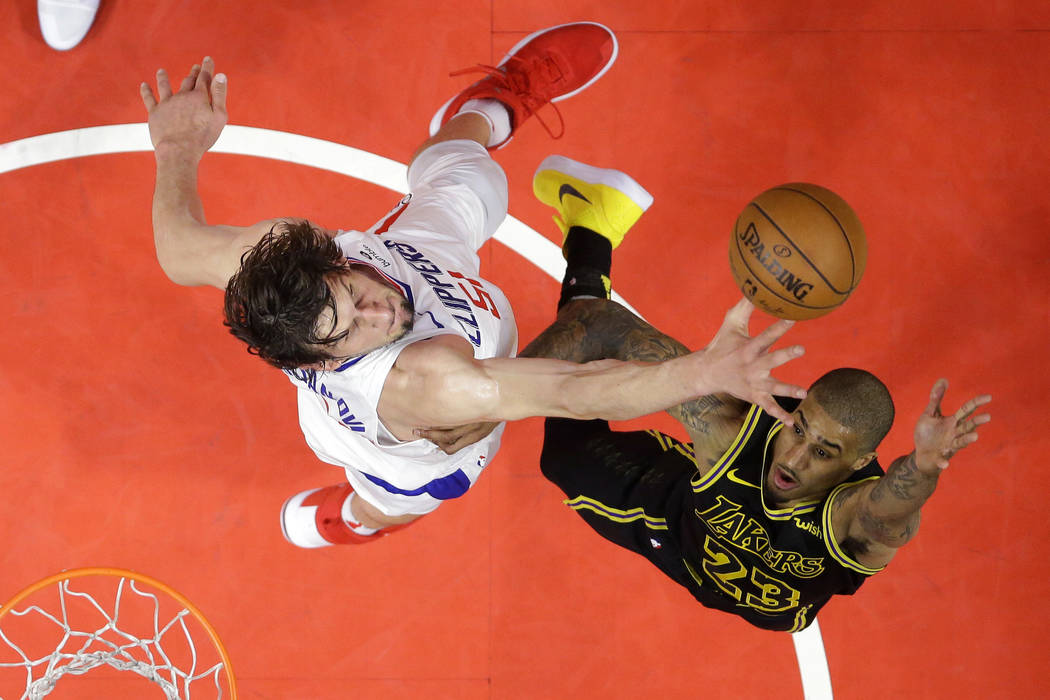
(755, 517)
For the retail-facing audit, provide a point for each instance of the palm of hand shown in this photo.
(191, 119)
(939, 437)
(741, 365)
(186, 119)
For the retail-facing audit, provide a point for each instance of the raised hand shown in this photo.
(740, 365)
(192, 118)
(939, 437)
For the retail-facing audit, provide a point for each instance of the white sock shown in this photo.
(497, 115)
(348, 518)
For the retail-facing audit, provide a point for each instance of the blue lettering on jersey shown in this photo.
(458, 307)
(308, 377)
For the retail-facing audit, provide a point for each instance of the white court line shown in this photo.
(276, 145)
(812, 663)
(355, 163)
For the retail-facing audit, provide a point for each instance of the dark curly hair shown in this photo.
(275, 299)
(858, 400)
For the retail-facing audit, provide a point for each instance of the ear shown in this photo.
(862, 461)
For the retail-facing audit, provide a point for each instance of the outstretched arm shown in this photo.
(438, 380)
(880, 517)
(592, 329)
(183, 126)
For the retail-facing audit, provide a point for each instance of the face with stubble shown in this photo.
(812, 457)
(368, 312)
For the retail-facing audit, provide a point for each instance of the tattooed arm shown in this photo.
(592, 329)
(879, 517)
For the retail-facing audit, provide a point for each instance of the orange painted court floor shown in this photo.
(137, 433)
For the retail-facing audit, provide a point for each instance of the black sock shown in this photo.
(585, 248)
(588, 258)
(582, 281)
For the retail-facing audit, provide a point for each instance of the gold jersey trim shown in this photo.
(800, 619)
(702, 481)
(831, 542)
(667, 443)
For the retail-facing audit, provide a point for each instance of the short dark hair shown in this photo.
(858, 400)
(274, 300)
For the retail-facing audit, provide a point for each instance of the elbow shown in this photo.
(174, 272)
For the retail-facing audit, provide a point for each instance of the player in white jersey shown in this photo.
(313, 303)
(427, 246)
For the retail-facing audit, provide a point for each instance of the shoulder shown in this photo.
(846, 538)
(732, 437)
(437, 382)
(436, 353)
(437, 364)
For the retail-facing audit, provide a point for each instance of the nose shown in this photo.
(793, 457)
(373, 312)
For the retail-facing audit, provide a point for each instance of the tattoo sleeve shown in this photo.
(890, 514)
(595, 329)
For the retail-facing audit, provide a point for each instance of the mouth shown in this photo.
(783, 479)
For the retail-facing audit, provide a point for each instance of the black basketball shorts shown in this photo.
(630, 487)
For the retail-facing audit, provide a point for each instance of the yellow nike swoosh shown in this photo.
(733, 477)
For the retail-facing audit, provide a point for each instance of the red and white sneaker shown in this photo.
(314, 518)
(547, 66)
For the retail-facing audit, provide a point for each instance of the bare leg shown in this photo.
(470, 126)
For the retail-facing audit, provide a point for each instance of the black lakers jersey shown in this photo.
(774, 567)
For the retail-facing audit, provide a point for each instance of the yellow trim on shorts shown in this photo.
(615, 514)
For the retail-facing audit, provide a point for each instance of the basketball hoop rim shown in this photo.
(134, 576)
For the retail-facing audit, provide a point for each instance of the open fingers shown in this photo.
(971, 425)
(163, 85)
(204, 77)
(933, 408)
(782, 356)
(190, 80)
(433, 434)
(770, 335)
(779, 388)
(770, 406)
(146, 93)
(737, 318)
(218, 93)
(972, 405)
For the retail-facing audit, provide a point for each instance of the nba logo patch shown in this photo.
(655, 543)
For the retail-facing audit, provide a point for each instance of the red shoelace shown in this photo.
(517, 85)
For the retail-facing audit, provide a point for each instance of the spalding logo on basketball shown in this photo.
(798, 251)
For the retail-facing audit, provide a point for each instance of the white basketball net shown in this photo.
(78, 651)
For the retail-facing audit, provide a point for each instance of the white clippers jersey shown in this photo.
(338, 409)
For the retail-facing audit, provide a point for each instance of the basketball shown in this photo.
(798, 251)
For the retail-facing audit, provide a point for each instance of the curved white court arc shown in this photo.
(361, 165)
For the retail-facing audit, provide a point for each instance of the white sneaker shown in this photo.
(299, 522)
(319, 517)
(64, 23)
